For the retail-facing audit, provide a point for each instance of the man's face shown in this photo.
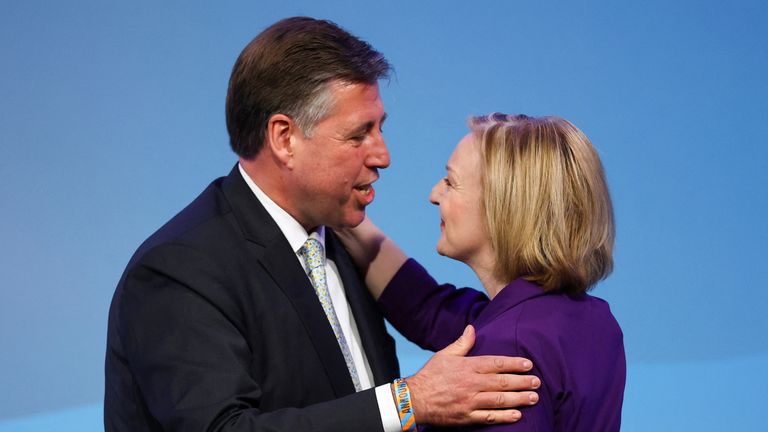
(335, 168)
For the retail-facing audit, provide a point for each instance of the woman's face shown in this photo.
(463, 233)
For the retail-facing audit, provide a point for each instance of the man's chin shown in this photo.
(350, 221)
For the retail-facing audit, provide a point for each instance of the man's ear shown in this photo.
(282, 132)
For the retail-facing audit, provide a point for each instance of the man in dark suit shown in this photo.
(244, 312)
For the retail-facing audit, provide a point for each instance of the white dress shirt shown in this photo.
(297, 236)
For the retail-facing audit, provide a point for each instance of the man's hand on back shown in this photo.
(452, 389)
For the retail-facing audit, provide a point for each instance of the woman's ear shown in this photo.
(281, 137)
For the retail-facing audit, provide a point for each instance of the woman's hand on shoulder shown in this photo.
(375, 254)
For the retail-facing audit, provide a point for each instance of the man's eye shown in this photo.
(446, 181)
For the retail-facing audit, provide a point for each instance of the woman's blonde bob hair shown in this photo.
(546, 201)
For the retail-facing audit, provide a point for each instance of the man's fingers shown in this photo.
(501, 400)
(463, 344)
(494, 416)
(508, 382)
(500, 364)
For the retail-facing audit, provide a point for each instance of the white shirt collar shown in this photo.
(290, 227)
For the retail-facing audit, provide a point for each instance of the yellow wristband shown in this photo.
(404, 408)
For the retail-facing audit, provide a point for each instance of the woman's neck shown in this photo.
(485, 271)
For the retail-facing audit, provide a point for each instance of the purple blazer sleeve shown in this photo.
(429, 314)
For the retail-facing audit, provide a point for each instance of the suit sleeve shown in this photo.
(191, 361)
(427, 313)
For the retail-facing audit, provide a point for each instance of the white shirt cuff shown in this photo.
(387, 409)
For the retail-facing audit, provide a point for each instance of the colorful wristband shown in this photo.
(404, 408)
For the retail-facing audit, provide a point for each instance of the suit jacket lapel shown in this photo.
(367, 316)
(280, 262)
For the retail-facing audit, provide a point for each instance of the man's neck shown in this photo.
(270, 180)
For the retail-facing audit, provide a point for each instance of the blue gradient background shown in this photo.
(111, 120)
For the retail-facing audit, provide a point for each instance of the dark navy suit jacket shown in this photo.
(575, 343)
(214, 326)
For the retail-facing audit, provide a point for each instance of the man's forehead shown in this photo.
(363, 92)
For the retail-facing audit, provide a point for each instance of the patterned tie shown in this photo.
(312, 253)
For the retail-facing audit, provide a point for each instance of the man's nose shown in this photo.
(379, 154)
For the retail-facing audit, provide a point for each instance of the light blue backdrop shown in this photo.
(111, 120)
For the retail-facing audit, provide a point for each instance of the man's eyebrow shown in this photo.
(365, 127)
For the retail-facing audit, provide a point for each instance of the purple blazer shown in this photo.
(575, 343)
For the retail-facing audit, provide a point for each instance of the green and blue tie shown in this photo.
(314, 258)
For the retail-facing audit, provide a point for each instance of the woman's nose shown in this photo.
(434, 195)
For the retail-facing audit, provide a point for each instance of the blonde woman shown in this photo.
(525, 204)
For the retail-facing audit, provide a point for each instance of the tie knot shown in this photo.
(312, 251)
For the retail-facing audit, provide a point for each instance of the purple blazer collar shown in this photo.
(518, 291)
